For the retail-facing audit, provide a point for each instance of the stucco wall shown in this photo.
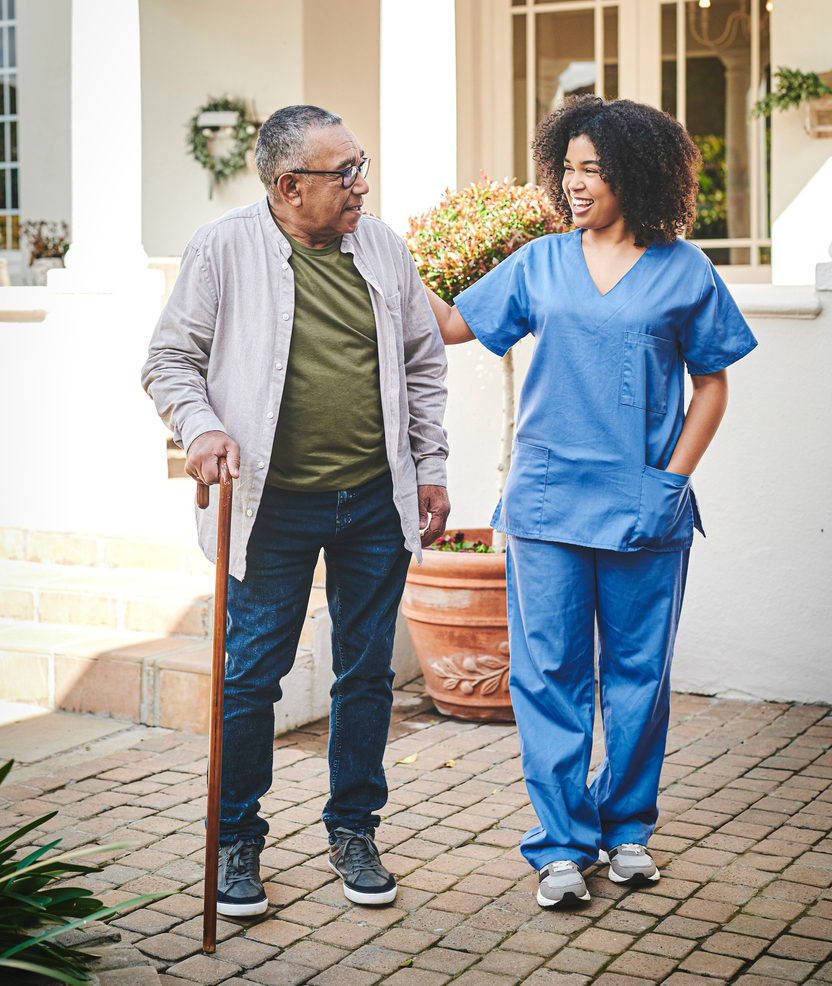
(193, 50)
(758, 615)
(801, 223)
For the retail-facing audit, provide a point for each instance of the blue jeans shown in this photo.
(366, 566)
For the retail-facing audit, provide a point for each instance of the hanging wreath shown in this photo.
(200, 139)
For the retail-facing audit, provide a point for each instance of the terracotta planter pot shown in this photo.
(455, 605)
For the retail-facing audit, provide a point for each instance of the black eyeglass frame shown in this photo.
(354, 169)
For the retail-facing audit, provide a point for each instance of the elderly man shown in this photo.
(298, 343)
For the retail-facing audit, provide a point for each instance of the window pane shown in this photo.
(13, 141)
(11, 9)
(762, 131)
(521, 129)
(2, 47)
(2, 188)
(2, 142)
(565, 58)
(611, 52)
(12, 87)
(12, 48)
(669, 60)
(718, 70)
(15, 197)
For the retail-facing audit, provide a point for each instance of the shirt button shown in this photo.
(278, 366)
(285, 316)
(249, 512)
(270, 414)
(260, 464)
(285, 266)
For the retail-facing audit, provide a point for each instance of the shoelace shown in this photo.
(359, 852)
(561, 864)
(633, 847)
(242, 862)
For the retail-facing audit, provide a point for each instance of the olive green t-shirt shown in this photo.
(330, 431)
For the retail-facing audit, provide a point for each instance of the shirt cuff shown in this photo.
(431, 471)
(197, 424)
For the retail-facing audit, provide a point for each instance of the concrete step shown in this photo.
(106, 551)
(119, 599)
(157, 681)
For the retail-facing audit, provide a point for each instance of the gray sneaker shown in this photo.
(239, 890)
(561, 883)
(354, 857)
(630, 863)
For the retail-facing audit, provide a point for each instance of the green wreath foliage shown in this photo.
(199, 139)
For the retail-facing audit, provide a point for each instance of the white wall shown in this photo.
(801, 226)
(758, 616)
(193, 50)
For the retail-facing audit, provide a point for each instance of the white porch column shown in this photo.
(106, 251)
(418, 107)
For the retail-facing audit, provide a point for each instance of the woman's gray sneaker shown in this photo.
(630, 863)
(561, 883)
(354, 857)
(239, 890)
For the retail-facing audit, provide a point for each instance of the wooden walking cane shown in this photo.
(212, 819)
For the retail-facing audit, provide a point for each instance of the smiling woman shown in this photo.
(598, 506)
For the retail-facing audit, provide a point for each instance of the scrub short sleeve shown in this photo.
(717, 334)
(496, 307)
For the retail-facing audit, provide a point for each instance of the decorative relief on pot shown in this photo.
(468, 672)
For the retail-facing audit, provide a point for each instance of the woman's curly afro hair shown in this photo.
(647, 158)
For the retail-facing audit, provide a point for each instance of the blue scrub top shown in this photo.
(602, 404)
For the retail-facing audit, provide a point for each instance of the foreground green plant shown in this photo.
(30, 899)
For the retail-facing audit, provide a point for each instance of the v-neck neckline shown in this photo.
(606, 294)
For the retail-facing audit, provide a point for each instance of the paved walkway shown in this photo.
(743, 841)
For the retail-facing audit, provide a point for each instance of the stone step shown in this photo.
(120, 599)
(157, 681)
(105, 551)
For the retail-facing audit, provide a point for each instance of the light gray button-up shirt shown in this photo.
(219, 354)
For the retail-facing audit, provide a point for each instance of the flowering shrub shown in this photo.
(455, 541)
(472, 230)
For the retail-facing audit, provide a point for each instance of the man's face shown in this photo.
(327, 210)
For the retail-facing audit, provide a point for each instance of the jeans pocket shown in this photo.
(665, 514)
(525, 492)
(646, 366)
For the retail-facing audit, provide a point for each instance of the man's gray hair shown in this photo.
(282, 139)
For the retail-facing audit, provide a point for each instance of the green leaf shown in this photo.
(104, 912)
(4, 770)
(40, 970)
(75, 854)
(14, 836)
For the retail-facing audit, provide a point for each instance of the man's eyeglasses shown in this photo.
(348, 176)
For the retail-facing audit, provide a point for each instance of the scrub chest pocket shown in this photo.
(646, 367)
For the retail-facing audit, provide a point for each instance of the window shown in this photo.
(9, 184)
(574, 48)
(704, 61)
(715, 66)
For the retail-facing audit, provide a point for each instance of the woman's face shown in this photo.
(593, 203)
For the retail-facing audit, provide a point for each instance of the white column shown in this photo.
(418, 107)
(106, 249)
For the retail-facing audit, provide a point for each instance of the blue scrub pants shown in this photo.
(556, 594)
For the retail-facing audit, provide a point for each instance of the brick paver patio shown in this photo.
(743, 841)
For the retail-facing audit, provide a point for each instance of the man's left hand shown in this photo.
(434, 507)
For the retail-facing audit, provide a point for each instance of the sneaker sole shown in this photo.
(603, 857)
(242, 910)
(568, 898)
(361, 897)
